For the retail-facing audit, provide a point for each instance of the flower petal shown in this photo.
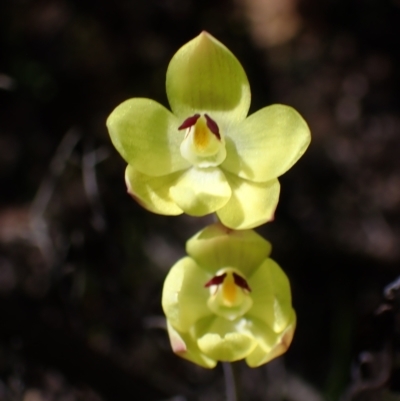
(272, 301)
(200, 191)
(225, 340)
(217, 246)
(205, 77)
(186, 347)
(262, 332)
(267, 143)
(147, 137)
(266, 350)
(251, 203)
(184, 298)
(153, 192)
(230, 348)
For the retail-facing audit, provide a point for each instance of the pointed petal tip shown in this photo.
(178, 346)
(206, 35)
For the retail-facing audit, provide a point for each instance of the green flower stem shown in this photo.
(231, 381)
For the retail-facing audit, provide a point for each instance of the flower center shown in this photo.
(229, 294)
(203, 145)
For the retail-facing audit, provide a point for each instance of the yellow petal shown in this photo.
(272, 301)
(264, 352)
(231, 347)
(251, 203)
(186, 347)
(266, 144)
(205, 77)
(184, 297)
(153, 192)
(200, 191)
(216, 246)
(146, 135)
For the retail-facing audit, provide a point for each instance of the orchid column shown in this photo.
(207, 156)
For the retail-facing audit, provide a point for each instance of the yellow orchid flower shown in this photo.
(205, 156)
(228, 300)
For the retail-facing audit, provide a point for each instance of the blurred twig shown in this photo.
(392, 289)
(45, 192)
(378, 364)
(90, 159)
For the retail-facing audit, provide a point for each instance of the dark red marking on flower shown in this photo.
(212, 126)
(241, 282)
(216, 280)
(189, 122)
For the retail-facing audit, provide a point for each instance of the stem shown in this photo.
(230, 382)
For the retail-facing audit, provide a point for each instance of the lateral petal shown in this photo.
(272, 302)
(267, 349)
(146, 135)
(186, 347)
(267, 143)
(251, 203)
(153, 192)
(184, 297)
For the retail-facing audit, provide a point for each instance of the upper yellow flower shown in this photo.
(206, 156)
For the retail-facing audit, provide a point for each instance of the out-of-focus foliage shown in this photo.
(81, 266)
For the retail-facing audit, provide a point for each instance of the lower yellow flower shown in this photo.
(228, 300)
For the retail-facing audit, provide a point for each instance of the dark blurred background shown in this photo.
(82, 265)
